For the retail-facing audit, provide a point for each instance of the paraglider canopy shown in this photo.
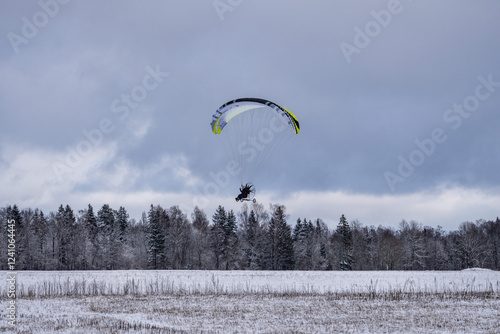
(234, 108)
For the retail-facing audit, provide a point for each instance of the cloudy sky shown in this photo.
(110, 102)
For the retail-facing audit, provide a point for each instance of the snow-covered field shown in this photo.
(255, 301)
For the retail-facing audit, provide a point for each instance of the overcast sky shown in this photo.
(110, 102)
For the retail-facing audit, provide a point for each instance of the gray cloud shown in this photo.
(357, 117)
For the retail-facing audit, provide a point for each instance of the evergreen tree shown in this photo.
(53, 245)
(218, 236)
(121, 218)
(304, 244)
(71, 226)
(65, 224)
(280, 254)
(122, 224)
(363, 247)
(155, 238)
(492, 230)
(109, 236)
(92, 239)
(297, 230)
(26, 240)
(230, 241)
(345, 249)
(40, 229)
(13, 213)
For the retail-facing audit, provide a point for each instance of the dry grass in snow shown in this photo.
(257, 302)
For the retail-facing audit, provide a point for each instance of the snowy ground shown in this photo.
(255, 302)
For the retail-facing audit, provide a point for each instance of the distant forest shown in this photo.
(252, 239)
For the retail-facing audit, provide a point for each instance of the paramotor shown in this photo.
(251, 129)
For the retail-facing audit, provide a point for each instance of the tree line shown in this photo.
(252, 239)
